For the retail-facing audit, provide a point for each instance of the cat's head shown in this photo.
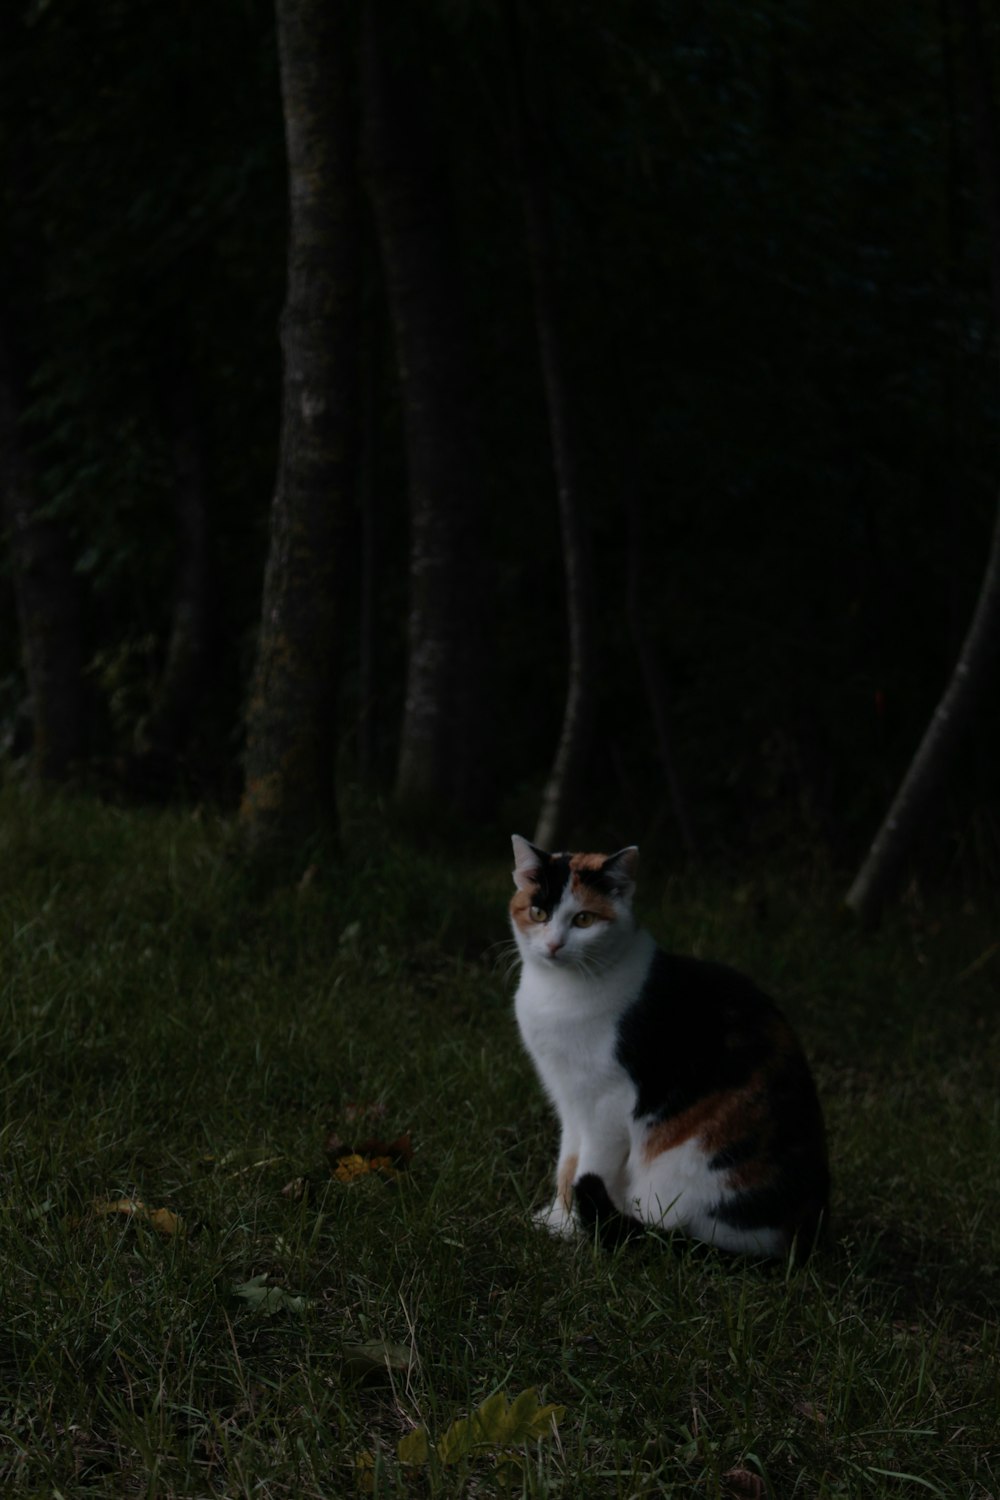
(572, 910)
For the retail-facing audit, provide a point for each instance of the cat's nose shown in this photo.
(553, 945)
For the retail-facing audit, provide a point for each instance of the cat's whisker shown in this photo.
(506, 959)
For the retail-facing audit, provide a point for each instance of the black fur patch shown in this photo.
(597, 1211)
(550, 882)
(736, 1154)
(804, 1184)
(695, 1028)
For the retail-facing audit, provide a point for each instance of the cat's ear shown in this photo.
(528, 862)
(621, 869)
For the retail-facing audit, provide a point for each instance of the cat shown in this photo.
(684, 1098)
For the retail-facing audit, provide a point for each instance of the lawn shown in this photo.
(206, 1295)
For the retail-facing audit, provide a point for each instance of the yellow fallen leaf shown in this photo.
(349, 1168)
(163, 1220)
(383, 1164)
(129, 1206)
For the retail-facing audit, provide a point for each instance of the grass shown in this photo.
(175, 1037)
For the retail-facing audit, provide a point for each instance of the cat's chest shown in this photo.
(573, 1043)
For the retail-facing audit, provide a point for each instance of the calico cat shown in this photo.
(684, 1098)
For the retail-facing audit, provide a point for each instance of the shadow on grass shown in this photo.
(919, 1277)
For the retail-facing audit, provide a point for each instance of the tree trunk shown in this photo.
(563, 784)
(47, 592)
(881, 869)
(445, 746)
(289, 791)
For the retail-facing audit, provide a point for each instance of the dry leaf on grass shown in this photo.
(348, 1162)
(385, 1158)
(163, 1220)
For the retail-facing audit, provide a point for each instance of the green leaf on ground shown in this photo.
(268, 1299)
(492, 1428)
(377, 1357)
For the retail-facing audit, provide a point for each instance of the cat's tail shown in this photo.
(599, 1216)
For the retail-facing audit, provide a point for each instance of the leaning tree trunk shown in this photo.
(882, 868)
(289, 790)
(48, 596)
(562, 787)
(444, 754)
(886, 859)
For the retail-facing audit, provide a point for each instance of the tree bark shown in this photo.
(886, 859)
(290, 788)
(445, 745)
(47, 593)
(562, 787)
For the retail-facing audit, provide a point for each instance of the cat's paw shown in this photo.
(556, 1220)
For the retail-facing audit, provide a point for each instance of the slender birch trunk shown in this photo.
(292, 720)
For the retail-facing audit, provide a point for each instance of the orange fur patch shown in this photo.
(591, 900)
(698, 1122)
(722, 1118)
(567, 1172)
(587, 861)
(520, 905)
(716, 1122)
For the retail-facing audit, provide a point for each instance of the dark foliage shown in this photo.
(773, 266)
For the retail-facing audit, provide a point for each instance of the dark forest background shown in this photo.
(726, 266)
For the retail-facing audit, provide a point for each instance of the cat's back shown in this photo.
(695, 1027)
(715, 1062)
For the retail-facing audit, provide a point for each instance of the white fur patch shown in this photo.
(526, 863)
(575, 984)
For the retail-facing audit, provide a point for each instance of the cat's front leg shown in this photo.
(557, 1218)
(604, 1153)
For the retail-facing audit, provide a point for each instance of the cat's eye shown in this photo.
(584, 919)
(538, 914)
